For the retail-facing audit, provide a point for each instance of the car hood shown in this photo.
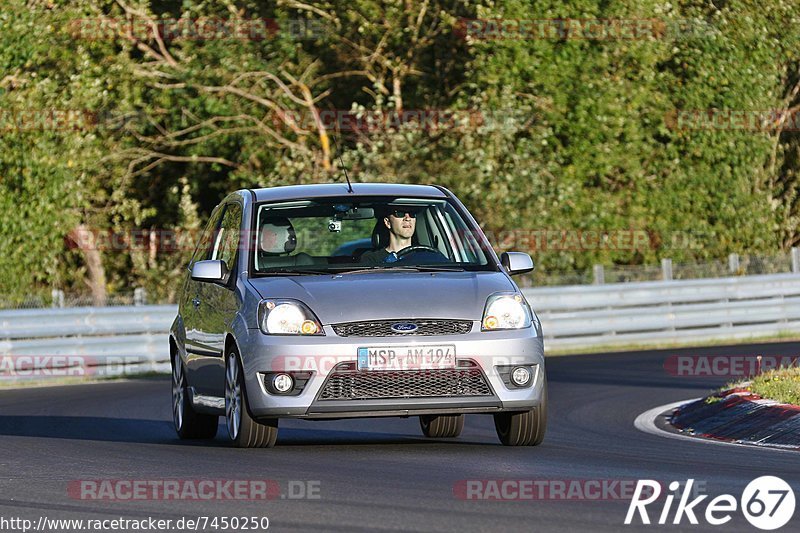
(388, 295)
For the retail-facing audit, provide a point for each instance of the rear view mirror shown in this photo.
(358, 213)
(209, 271)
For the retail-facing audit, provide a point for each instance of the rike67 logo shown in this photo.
(767, 503)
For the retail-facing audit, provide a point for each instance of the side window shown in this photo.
(201, 253)
(467, 245)
(227, 239)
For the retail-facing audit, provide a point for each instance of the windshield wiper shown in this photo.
(413, 268)
(293, 272)
(345, 270)
(437, 268)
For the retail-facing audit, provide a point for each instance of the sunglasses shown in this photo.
(401, 214)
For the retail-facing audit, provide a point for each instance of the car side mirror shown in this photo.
(516, 262)
(212, 271)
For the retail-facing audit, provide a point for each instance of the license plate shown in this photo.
(407, 357)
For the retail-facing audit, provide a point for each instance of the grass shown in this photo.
(712, 399)
(779, 384)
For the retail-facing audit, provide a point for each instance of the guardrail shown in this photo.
(104, 341)
(577, 317)
(134, 339)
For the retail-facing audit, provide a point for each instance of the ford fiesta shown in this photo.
(371, 300)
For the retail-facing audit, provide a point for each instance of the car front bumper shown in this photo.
(492, 353)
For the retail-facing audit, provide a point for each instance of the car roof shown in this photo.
(295, 192)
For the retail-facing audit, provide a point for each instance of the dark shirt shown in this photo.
(375, 257)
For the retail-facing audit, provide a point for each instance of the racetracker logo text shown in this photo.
(767, 503)
(121, 490)
(546, 489)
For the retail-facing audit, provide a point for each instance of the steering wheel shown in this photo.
(408, 250)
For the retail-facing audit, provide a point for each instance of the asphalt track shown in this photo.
(381, 474)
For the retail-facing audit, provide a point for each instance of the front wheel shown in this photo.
(441, 426)
(242, 429)
(523, 429)
(188, 423)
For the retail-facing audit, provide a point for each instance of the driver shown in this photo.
(402, 223)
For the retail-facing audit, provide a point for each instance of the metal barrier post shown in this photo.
(666, 269)
(58, 298)
(139, 296)
(733, 263)
(599, 275)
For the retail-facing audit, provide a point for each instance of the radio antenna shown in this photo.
(341, 163)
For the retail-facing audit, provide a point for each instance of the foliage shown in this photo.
(780, 384)
(533, 134)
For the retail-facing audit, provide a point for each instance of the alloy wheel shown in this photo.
(177, 392)
(233, 397)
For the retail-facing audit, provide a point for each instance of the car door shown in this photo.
(189, 305)
(189, 301)
(217, 305)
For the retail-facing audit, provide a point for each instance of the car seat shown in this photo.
(277, 240)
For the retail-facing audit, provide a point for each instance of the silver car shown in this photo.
(336, 301)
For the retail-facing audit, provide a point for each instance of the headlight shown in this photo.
(287, 317)
(506, 311)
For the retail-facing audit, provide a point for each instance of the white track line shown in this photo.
(646, 422)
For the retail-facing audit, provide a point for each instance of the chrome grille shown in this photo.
(346, 383)
(383, 328)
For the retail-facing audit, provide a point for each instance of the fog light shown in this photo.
(282, 382)
(520, 376)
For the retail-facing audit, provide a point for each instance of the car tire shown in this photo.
(243, 430)
(525, 428)
(188, 424)
(441, 426)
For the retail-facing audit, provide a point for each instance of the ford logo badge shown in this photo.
(404, 327)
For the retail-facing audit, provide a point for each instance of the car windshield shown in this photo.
(347, 234)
